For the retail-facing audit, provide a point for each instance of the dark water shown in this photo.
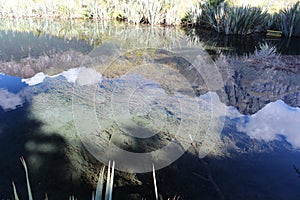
(240, 45)
(62, 97)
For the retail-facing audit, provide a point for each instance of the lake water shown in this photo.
(74, 95)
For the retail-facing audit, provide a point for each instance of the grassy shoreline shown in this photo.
(229, 17)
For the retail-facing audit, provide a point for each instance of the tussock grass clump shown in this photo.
(290, 20)
(152, 12)
(236, 20)
(266, 50)
(243, 20)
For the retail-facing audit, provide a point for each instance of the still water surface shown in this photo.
(70, 91)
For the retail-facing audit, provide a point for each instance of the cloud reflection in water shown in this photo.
(9, 101)
(83, 76)
(275, 119)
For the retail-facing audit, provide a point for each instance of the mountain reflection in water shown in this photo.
(251, 158)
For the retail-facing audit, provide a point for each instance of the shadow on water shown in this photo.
(175, 180)
(252, 170)
(259, 176)
(240, 45)
(45, 154)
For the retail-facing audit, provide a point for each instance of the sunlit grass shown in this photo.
(153, 12)
(234, 17)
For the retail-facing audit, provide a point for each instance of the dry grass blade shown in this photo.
(15, 191)
(100, 185)
(107, 183)
(27, 179)
(111, 181)
(72, 198)
(155, 185)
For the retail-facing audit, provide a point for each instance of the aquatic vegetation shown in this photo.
(290, 20)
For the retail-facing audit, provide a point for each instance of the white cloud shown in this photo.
(9, 101)
(274, 119)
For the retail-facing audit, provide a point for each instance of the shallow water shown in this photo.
(72, 100)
